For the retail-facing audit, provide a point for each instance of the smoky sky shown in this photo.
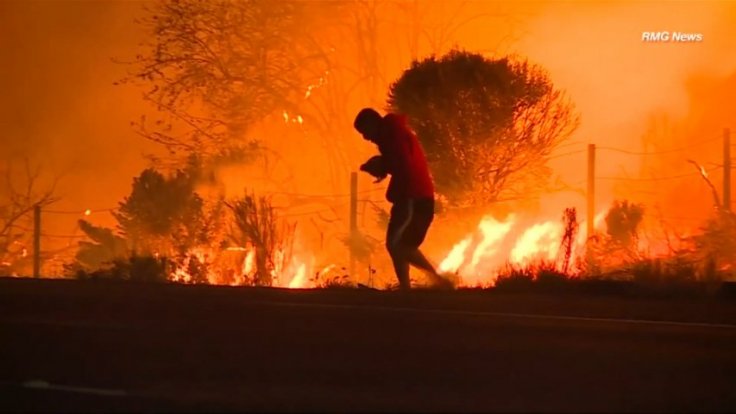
(59, 107)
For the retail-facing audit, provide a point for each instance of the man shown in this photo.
(411, 190)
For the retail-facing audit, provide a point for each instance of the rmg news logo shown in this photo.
(667, 37)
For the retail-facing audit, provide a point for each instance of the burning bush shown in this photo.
(241, 242)
(162, 219)
(271, 240)
(165, 217)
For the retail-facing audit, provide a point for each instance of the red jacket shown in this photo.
(405, 160)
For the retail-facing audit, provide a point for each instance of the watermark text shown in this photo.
(671, 37)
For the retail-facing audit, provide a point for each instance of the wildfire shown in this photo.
(478, 258)
(292, 274)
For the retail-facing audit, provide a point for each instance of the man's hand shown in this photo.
(375, 167)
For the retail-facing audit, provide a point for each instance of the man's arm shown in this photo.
(396, 160)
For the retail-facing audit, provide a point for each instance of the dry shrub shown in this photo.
(257, 226)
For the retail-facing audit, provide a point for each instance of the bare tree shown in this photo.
(214, 68)
(19, 195)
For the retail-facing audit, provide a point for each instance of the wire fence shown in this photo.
(329, 197)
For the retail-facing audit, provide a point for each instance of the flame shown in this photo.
(492, 232)
(249, 263)
(454, 260)
(299, 280)
(295, 272)
(479, 257)
(540, 241)
(469, 259)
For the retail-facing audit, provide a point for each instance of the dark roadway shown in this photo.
(125, 347)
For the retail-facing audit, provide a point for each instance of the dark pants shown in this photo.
(407, 228)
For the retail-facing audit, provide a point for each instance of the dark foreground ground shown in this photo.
(69, 346)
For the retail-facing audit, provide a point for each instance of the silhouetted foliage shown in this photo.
(622, 223)
(134, 269)
(104, 248)
(487, 125)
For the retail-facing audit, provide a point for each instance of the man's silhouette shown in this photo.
(411, 190)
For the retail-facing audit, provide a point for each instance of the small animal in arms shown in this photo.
(375, 167)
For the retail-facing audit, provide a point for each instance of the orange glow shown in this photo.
(61, 109)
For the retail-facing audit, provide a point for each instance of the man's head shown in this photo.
(368, 123)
